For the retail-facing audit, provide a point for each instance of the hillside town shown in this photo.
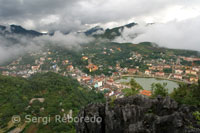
(109, 85)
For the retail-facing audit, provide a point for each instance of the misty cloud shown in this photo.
(73, 15)
(77, 15)
(175, 34)
(71, 41)
(10, 50)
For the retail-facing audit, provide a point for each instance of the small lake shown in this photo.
(146, 82)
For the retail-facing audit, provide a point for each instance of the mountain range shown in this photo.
(108, 33)
(16, 29)
(95, 31)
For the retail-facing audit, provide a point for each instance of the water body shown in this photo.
(146, 83)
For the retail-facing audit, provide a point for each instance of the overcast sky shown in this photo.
(75, 15)
(177, 21)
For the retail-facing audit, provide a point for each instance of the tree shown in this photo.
(159, 89)
(58, 91)
(167, 70)
(187, 94)
(135, 88)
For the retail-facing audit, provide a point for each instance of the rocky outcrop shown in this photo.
(138, 114)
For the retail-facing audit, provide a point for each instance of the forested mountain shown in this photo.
(18, 30)
(59, 95)
(110, 33)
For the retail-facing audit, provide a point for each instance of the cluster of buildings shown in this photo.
(106, 84)
(178, 72)
(16, 69)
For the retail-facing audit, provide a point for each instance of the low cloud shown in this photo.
(174, 34)
(10, 49)
(73, 15)
(71, 41)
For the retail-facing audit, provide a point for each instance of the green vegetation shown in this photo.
(187, 94)
(167, 70)
(159, 89)
(61, 95)
(27, 59)
(106, 55)
(135, 88)
(115, 32)
(197, 116)
(112, 100)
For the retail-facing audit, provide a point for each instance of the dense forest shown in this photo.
(60, 94)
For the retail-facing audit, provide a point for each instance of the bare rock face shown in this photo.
(138, 114)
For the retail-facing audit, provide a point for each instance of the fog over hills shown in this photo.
(132, 64)
(176, 21)
(16, 40)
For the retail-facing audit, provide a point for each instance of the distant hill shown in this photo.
(115, 32)
(108, 33)
(18, 30)
(95, 31)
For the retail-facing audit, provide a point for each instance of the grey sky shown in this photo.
(174, 34)
(73, 15)
(177, 21)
